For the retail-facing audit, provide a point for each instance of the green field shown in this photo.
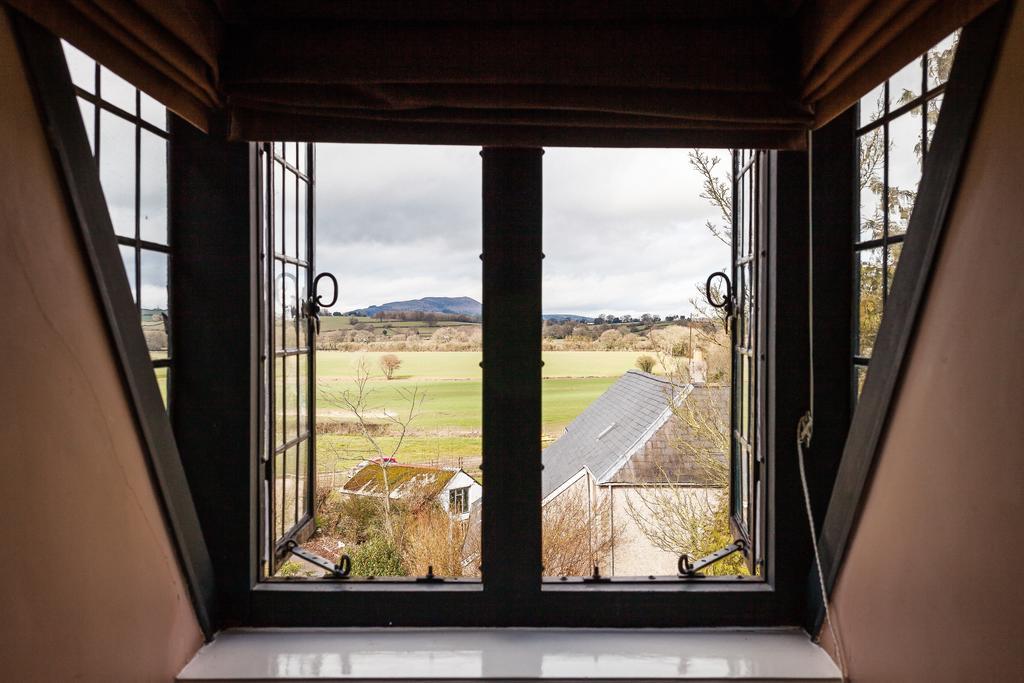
(452, 365)
(449, 425)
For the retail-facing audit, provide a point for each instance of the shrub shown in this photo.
(289, 568)
(609, 339)
(646, 363)
(377, 557)
(352, 519)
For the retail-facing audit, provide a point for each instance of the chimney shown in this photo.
(698, 369)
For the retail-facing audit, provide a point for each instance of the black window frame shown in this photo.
(511, 591)
(888, 239)
(273, 160)
(751, 178)
(135, 242)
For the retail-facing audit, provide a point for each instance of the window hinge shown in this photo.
(340, 570)
(692, 571)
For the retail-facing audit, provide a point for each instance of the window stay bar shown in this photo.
(692, 571)
(341, 570)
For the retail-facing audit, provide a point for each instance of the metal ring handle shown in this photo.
(316, 285)
(724, 303)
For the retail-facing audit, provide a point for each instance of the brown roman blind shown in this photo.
(850, 46)
(734, 73)
(168, 48)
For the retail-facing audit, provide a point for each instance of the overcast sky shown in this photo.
(623, 229)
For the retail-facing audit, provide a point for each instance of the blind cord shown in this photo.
(805, 427)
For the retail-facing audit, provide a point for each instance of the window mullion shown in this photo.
(512, 228)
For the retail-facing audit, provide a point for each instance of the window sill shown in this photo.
(510, 654)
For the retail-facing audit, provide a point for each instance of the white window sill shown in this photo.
(510, 654)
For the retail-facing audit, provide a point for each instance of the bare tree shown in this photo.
(577, 534)
(716, 188)
(694, 520)
(389, 363)
(717, 191)
(436, 540)
(357, 402)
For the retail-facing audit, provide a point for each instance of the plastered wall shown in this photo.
(90, 586)
(930, 590)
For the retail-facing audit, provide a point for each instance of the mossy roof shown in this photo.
(369, 479)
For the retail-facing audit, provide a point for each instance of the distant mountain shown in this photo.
(563, 317)
(459, 305)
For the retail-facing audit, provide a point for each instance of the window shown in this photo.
(287, 362)
(373, 416)
(749, 246)
(637, 373)
(127, 131)
(393, 424)
(896, 123)
(458, 501)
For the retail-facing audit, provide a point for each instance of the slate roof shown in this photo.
(611, 429)
(679, 451)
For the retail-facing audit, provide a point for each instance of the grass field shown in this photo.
(418, 365)
(448, 428)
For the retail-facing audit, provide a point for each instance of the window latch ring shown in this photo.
(724, 299)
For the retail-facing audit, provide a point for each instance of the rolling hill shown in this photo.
(459, 305)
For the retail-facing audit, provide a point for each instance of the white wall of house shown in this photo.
(461, 480)
(633, 553)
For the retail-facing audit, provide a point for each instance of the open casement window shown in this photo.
(285, 179)
(128, 136)
(896, 123)
(749, 240)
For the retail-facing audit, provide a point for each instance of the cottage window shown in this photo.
(458, 500)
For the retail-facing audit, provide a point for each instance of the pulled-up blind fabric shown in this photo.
(735, 73)
(850, 46)
(167, 48)
(609, 84)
